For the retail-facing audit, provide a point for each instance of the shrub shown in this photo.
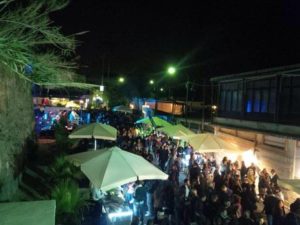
(69, 202)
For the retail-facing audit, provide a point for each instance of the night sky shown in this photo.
(210, 38)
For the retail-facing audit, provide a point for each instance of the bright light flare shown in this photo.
(249, 157)
(101, 88)
(171, 70)
(120, 214)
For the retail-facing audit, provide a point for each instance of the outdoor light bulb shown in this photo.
(161, 89)
(214, 107)
(171, 70)
(151, 81)
(101, 88)
(121, 79)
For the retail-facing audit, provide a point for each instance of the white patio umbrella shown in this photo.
(96, 131)
(28, 213)
(111, 167)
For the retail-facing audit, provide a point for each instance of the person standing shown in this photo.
(274, 178)
(185, 203)
(279, 213)
(194, 172)
(163, 157)
(270, 202)
(293, 217)
(243, 170)
(139, 201)
(150, 187)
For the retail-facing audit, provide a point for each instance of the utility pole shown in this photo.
(186, 99)
(102, 74)
(108, 69)
(203, 107)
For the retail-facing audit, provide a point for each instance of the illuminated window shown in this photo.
(256, 101)
(261, 96)
(231, 97)
(264, 101)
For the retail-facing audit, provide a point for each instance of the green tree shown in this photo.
(61, 169)
(31, 47)
(69, 202)
(63, 142)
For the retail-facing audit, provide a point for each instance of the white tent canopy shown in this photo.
(207, 142)
(111, 167)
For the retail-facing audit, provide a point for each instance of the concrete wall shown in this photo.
(264, 127)
(16, 124)
(297, 160)
(276, 152)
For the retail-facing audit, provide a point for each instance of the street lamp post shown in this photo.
(187, 85)
(171, 71)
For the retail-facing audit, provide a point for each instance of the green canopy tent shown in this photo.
(28, 213)
(176, 131)
(96, 131)
(154, 121)
(111, 167)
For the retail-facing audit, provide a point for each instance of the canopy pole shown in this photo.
(95, 144)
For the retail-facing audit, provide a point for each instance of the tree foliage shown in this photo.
(31, 46)
(69, 202)
(61, 169)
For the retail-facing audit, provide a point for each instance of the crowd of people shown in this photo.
(199, 189)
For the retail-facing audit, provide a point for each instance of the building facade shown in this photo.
(262, 109)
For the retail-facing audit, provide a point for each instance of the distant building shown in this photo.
(261, 109)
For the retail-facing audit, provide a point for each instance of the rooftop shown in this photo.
(283, 70)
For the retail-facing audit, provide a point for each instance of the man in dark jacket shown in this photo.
(293, 217)
(270, 202)
(139, 200)
(194, 172)
(163, 157)
(274, 178)
(150, 187)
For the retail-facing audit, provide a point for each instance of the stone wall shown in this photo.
(16, 125)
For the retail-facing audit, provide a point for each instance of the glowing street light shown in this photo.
(171, 70)
(161, 89)
(214, 107)
(121, 79)
(151, 82)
